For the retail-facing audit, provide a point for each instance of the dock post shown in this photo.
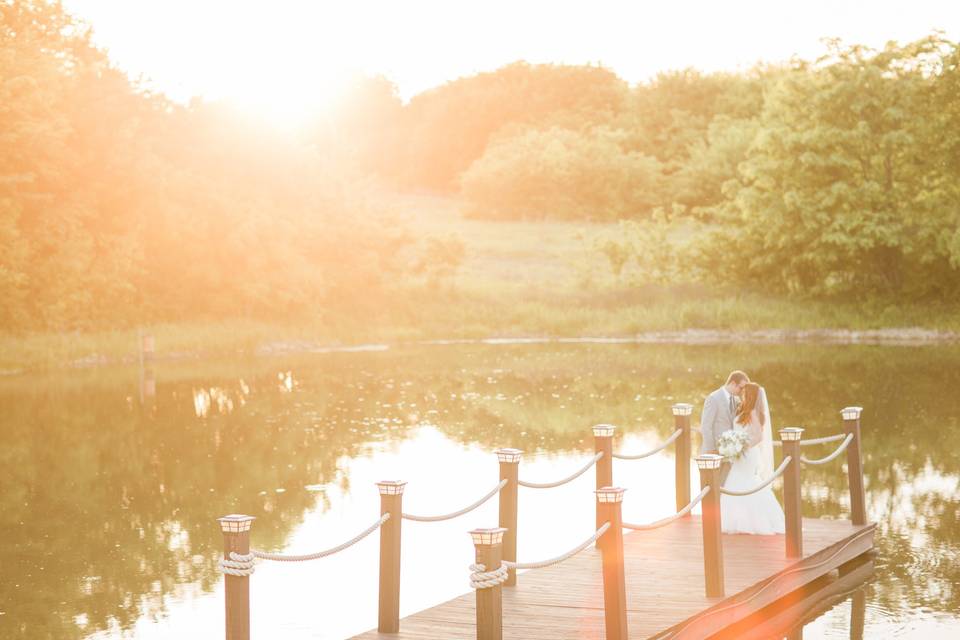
(609, 503)
(792, 499)
(858, 614)
(709, 465)
(391, 501)
(236, 589)
(858, 502)
(509, 460)
(603, 443)
(488, 544)
(681, 419)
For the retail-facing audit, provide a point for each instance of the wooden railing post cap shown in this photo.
(235, 523)
(851, 413)
(609, 494)
(509, 455)
(709, 461)
(487, 537)
(603, 430)
(682, 409)
(391, 487)
(789, 434)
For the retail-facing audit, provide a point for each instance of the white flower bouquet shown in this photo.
(733, 443)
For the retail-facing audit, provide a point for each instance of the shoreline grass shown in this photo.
(422, 314)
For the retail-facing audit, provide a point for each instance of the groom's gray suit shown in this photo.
(717, 417)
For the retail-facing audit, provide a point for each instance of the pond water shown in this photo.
(111, 479)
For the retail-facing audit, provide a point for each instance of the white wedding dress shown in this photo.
(758, 513)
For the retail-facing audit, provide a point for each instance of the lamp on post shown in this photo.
(487, 545)
(236, 539)
(391, 501)
(792, 502)
(858, 499)
(603, 444)
(681, 420)
(509, 460)
(709, 465)
(609, 508)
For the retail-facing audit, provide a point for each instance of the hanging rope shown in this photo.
(550, 485)
(669, 519)
(243, 565)
(558, 559)
(670, 440)
(322, 554)
(766, 483)
(814, 441)
(832, 456)
(467, 509)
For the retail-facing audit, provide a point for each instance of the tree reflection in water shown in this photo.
(109, 493)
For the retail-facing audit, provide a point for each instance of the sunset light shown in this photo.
(563, 269)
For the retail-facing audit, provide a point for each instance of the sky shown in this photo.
(286, 56)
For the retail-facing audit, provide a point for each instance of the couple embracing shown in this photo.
(736, 423)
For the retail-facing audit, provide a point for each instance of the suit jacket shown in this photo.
(714, 420)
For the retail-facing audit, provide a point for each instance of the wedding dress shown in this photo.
(758, 513)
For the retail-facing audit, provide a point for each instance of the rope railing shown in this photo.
(480, 578)
(843, 447)
(455, 514)
(574, 476)
(814, 441)
(669, 519)
(776, 474)
(243, 564)
(803, 443)
(638, 456)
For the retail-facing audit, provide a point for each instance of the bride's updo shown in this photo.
(751, 399)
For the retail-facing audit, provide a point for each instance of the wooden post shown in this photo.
(709, 465)
(488, 544)
(236, 589)
(391, 501)
(858, 499)
(609, 503)
(603, 443)
(681, 420)
(792, 500)
(509, 460)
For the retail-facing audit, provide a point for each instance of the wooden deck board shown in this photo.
(664, 571)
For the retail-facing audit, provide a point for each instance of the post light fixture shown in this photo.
(789, 434)
(235, 523)
(709, 461)
(508, 455)
(488, 536)
(682, 409)
(603, 430)
(610, 494)
(391, 487)
(851, 413)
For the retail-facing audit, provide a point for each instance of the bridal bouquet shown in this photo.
(733, 443)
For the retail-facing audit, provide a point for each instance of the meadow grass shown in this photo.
(517, 279)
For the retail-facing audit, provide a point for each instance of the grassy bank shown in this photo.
(515, 280)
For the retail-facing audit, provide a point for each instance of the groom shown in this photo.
(719, 411)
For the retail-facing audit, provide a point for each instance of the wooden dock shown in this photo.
(664, 580)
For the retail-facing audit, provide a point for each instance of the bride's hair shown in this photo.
(751, 399)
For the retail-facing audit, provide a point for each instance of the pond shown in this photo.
(112, 478)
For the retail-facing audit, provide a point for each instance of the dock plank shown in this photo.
(664, 575)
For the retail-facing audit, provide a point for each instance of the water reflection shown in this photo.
(107, 508)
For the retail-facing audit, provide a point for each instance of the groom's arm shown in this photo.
(709, 443)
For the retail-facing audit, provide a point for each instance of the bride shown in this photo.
(757, 513)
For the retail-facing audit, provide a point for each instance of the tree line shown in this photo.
(833, 177)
